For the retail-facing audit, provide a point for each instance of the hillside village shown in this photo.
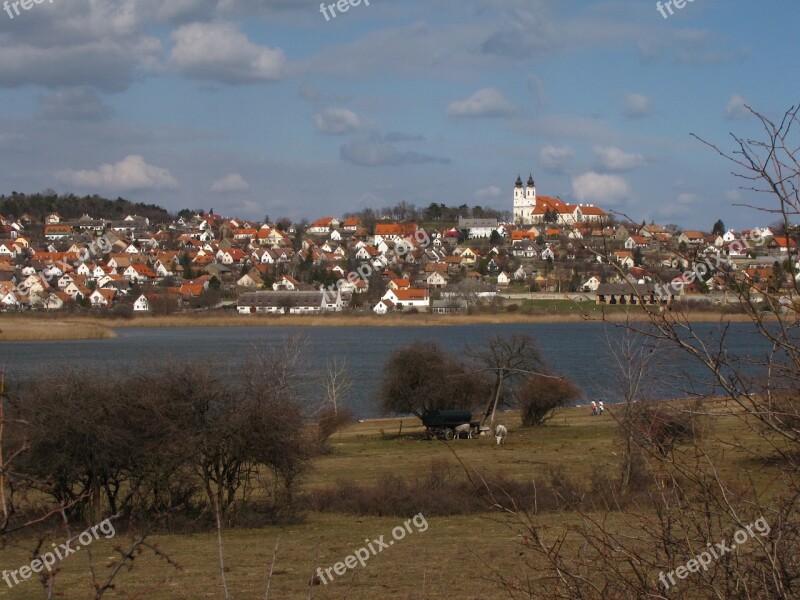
(439, 259)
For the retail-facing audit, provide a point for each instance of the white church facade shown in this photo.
(530, 209)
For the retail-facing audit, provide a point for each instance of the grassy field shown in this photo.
(454, 557)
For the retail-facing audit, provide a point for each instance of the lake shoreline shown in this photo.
(52, 328)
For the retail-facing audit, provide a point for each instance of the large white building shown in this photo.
(530, 209)
(524, 201)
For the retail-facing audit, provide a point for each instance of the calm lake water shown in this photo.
(577, 350)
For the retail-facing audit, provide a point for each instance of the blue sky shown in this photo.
(256, 107)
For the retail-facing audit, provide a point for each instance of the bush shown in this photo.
(540, 396)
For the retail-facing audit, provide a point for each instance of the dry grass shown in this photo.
(50, 329)
(453, 556)
(53, 327)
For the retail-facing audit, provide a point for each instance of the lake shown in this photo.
(577, 350)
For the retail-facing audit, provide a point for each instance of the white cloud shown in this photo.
(736, 110)
(688, 198)
(375, 151)
(231, 183)
(131, 173)
(733, 195)
(489, 193)
(597, 188)
(536, 88)
(488, 102)
(337, 121)
(74, 104)
(555, 159)
(614, 159)
(220, 52)
(637, 106)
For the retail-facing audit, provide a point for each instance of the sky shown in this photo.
(270, 107)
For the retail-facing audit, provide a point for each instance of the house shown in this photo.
(636, 241)
(56, 301)
(384, 306)
(323, 226)
(782, 244)
(102, 297)
(629, 293)
(251, 279)
(624, 258)
(393, 232)
(351, 224)
(478, 228)
(436, 281)
(8, 248)
(591, 284)
(691, 238)
(142, 304)
(295, 303)
(139, 273)
(9, 300)
(57, 232)
(524, 249)
(408, 299)
(396, 283)
(286, 283)
(503, 279)
(469, 256)
(450, 306)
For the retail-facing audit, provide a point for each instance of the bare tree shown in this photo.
(335, 382)
(692, 503)
(507, 358)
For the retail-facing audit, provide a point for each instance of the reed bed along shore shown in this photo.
(32, 329)
(15, 327)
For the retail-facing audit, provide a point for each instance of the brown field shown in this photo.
(455, 557)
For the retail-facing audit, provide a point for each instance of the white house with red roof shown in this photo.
(407, 299)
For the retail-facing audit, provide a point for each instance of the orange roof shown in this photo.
(395, 229)
(188, 289)
(143, 270)
(593, 210)
(323, 222)
(413, 294)
(784, 242)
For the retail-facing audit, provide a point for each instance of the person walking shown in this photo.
(594, 408)
(601, 408)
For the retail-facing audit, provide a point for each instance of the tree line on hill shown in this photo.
(70, 207)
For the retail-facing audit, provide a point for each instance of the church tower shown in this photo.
(524, 201)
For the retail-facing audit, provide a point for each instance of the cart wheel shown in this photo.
(448, 434)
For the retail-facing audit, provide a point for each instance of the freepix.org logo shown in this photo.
(49, 559)
(342, 6)
(17, 4)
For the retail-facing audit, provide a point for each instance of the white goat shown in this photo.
(500, 432)
(464, 428)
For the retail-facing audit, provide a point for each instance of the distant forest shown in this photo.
(70, 206)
